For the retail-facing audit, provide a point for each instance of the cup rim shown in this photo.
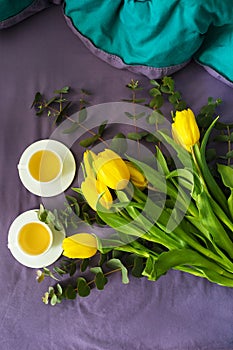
(48, 230)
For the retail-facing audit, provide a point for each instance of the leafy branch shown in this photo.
(98, 276)
(58, 107)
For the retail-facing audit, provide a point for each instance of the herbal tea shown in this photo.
(44, 166)
(34, 238)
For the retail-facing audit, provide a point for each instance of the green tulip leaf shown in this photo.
(226, 173)
(156, 267)
(212, 223)
(138, 266)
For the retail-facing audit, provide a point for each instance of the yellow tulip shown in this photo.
(88, 159)
(137, 178)
(80, 245)
(92, 189)
(111, 170)
(185, 130)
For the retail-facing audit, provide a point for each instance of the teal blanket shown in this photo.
(159, 33)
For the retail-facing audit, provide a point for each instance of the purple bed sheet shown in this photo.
(178, 312)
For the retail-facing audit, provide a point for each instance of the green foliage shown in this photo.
(200, 241)
(118, 265)
(83, 288)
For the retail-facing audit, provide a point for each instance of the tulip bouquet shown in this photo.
(171, 210)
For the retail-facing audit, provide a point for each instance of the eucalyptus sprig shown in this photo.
(59, 108)
(91, 273)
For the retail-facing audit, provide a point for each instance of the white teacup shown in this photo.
(44, 166)
(33, 239)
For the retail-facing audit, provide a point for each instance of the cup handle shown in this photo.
(21, 166)
(11, 245)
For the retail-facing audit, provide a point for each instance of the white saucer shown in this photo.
(58, 186)
(34, 261)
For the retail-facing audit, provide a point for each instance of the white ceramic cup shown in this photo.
(31, 240)
(26, 166)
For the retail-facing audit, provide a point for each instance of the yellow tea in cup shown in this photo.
(34, 238)
(44, 166)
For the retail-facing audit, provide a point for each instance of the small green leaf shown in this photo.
(155, 118)
(62, 114)
(169, 82)
(82, 115)
(84, 265)
(151, 138)
(53, 300)
(135, 116)
(59, 289)
(63, 90)
(119, 143)
(134, 136)
(154, 82)
(129, 115)
(77, 209)
(117, 264)
(89, 141)
(180, 105)
(83, 287)
(70, 292)
(73, 128)
(103, 258)
(102, 127)
(77, 189)
(222, 138)
(100, 280)
(154, 92)
(71, 199)
(165, 89)
(156, 102)
(139, 100)
(73, 269)
(229, 154)
(59, 270)
(96, 269)
(38, 98)
(51, 291)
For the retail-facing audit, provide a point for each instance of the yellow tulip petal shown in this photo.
(92, 189)
(112, 170)
(79, 246)
(137, 178)
(88, 159)
(106, 198)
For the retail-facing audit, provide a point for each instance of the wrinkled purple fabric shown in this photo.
(36, 6)
(178, 312)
